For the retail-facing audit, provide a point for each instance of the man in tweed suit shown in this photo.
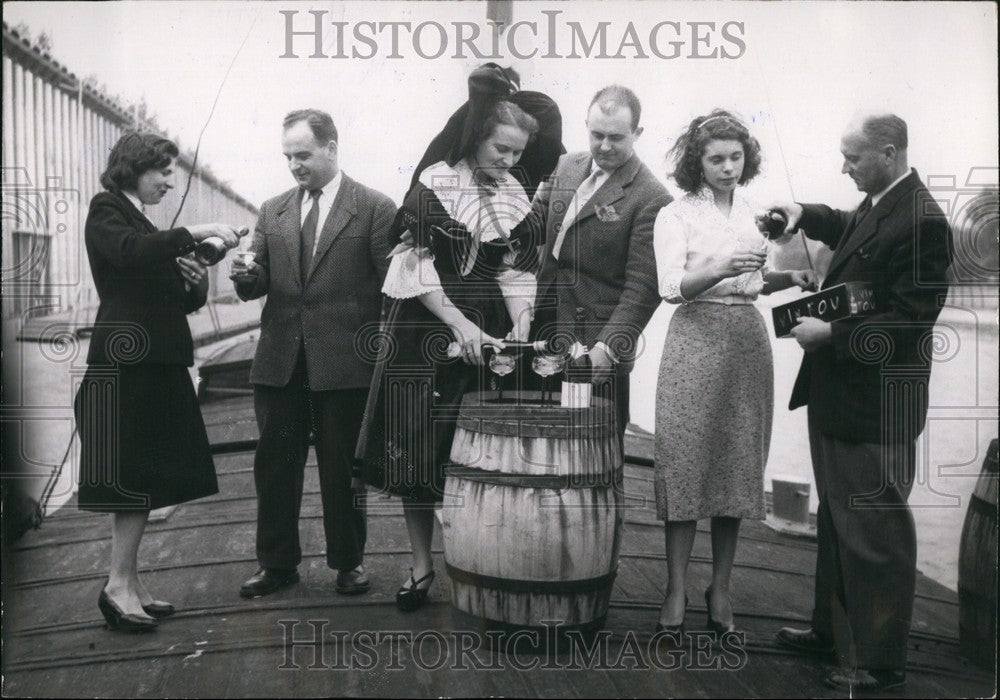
(320, 255)
(598, 211)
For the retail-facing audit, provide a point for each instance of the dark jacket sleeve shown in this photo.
(531, 231)
(195, 297)
(380, 241)
(823, 223)
(109, 232)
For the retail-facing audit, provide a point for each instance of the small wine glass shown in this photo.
(502, 364)
(545, 365)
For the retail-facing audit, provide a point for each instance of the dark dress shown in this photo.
(410, 430)
(413, 423)
(143, 441)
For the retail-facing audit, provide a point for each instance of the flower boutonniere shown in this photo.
(606, 213)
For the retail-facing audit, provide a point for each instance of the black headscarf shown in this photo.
(488, 85)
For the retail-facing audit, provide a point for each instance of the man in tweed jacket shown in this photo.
(320, 255)
(598, 211)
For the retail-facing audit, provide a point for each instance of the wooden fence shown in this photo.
(57, 133)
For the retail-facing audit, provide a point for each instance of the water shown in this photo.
(961, 422)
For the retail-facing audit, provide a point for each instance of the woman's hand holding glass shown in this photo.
(740, 262)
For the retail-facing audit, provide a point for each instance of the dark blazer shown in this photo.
(870, 384)
(144, 302)
(606, 263)
(342, 293)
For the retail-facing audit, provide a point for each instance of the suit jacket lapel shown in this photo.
(290, 229)
(612, 190)
(563, 190)
(137, 216)
(868, 228)
(344, 207)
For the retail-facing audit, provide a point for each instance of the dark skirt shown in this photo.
(413, 424)
(143, 443)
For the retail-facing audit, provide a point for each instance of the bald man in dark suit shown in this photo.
(864, 381)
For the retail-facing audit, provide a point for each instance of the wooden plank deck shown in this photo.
(220, 645)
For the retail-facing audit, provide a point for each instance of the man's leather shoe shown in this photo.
(866, 681)
(353, 581)
(807, 641)
(267, 581)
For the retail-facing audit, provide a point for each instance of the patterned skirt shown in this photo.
(714, 408)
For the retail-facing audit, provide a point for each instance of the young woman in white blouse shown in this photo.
(715, 394)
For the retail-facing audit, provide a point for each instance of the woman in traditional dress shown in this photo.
(715, 395)
(143, 442)
(459, 280)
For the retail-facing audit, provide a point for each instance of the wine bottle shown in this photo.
(774, 223)
(539, 346)
(576, 387)
(212, 249)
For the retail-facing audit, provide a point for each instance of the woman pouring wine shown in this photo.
(459, 281)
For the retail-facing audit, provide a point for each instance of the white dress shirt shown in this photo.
(880, 195)
(584, 193)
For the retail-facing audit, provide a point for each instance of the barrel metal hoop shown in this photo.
(531, 481)
(527, 429)
(513, 585)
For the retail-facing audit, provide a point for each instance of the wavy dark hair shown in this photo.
(720, 125)
(134, 154)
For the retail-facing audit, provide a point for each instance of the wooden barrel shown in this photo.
(532, 513)
(977, 568)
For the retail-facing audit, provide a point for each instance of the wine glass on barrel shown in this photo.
(545, 365)
(502, 364)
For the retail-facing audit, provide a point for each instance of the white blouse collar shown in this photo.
(704, 199)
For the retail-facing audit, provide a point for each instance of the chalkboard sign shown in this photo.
(841, 301)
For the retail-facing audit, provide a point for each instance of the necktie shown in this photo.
(583, 194)
(309, 234)
(866, 206)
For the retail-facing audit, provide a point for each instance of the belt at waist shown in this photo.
(728, 300)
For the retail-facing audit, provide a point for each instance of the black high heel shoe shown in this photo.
(120, 621)
(411, 598)
(673, 630)
(714, 626)
(158, 609)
